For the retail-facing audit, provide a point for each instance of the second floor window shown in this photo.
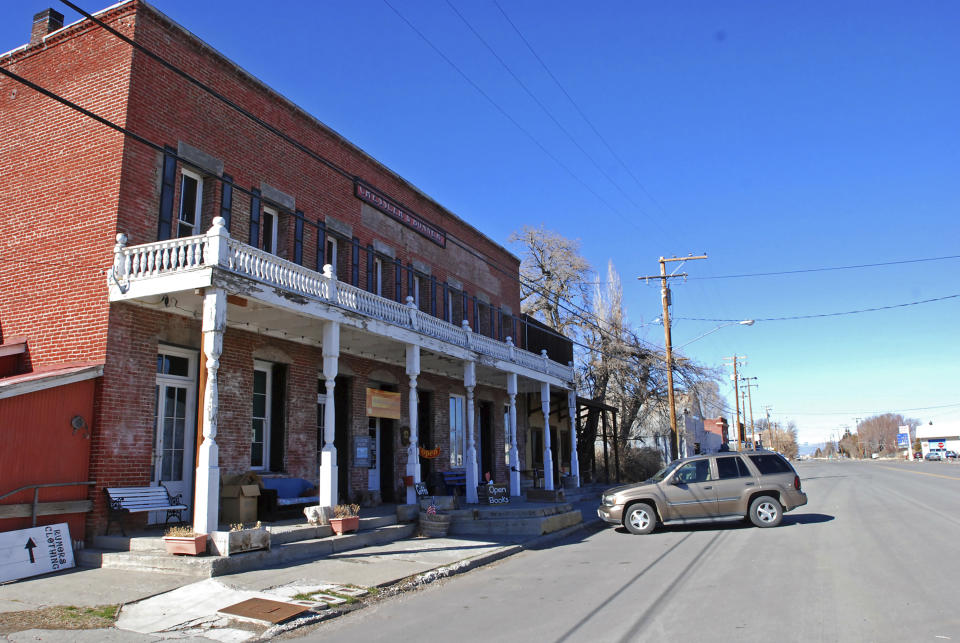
(191, 197)
(378, 276)
(270, 230)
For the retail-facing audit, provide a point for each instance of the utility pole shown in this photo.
(770, 429)
(665, 297)
(736, 396)
(748, 386)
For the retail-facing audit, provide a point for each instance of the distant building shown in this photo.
(940, 436)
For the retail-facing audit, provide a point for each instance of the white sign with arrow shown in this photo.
(34, 551)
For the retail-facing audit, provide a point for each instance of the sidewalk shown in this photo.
(170, 606)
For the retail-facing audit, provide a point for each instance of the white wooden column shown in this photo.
(512, 435)
(574, 458)
(547, 453)
(328, 455)
(413, 450)
(469, 382)
(206, 505)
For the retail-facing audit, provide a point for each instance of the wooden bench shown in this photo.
(455, 480)
(126, 500)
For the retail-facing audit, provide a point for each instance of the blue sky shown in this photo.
(772, 136)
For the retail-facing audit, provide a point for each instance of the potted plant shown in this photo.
(182, 539)
(345, 519)
(433, 523)
(240, 539)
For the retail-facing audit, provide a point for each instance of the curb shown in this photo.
(430, 576)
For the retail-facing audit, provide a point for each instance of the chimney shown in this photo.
(43, 23)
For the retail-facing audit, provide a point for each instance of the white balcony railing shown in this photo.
(217, 249)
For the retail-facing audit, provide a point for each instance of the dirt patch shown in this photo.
(65, 617)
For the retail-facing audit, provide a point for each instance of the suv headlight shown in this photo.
(608, 501)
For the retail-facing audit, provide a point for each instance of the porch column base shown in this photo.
(328, 477)
(206, 496)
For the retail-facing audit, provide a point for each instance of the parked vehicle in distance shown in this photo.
(952, 455)
(933, 455)
(918, 456)
(756, 485)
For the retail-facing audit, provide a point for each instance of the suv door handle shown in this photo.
(749, 484)
(710, 487)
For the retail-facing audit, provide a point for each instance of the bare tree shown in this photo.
(554, 278)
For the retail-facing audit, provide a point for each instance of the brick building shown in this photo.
(247, 280)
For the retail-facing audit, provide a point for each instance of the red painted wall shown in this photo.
(40, 447)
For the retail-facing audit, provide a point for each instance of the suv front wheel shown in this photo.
(640, 518)
(766, 512)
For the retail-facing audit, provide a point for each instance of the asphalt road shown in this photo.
(873, 556)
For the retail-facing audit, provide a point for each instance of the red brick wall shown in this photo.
(60, 179)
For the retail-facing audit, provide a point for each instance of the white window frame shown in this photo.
(331, 252)
(378, 276)
(197, 209)
(270, 218)
(266, 367)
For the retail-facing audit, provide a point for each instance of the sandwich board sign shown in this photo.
(35, 551)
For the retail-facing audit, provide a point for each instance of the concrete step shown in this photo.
(511, 512)
(206, 566)
(516, 526)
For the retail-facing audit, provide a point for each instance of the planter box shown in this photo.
(345, 525)
(228, 543)
(189, 545)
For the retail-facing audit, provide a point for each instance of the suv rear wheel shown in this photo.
(766, 511)
(640, 518)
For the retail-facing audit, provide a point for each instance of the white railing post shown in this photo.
(512, 435)
(331, 283)
(574, 458)
(218, 244)
(468, 333)
(412, 309)
(120, 267)
(511, 349)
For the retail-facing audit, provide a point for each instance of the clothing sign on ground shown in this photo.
(34, 551)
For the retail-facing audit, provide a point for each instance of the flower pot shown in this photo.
(434, 525)
(345, 525)
(189, 545)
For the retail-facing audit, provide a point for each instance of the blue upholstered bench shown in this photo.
(283, 498)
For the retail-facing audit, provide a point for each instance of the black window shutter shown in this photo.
(446, 302)
(465, 307)
(398, 280)
(167, 188)
(476, 316)
(355, 263)
(298, 239)
(321, 245)
(255, 218)
(433, 295)
(409, 280)
(499, 324)
(370, 269)
(226, 200)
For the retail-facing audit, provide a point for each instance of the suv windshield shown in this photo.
(664, 472)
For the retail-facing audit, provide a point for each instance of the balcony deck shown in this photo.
(278, 297)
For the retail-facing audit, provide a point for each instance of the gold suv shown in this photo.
(759, 485)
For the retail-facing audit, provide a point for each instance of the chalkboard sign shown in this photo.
(361, 451)
(493, 494)
(421, 489)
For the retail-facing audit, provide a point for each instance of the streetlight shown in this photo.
(669, 360)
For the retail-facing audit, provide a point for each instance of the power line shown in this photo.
(848, 312)
(825, 269)
(577, 107)
(550, 114)
(510, 118)
(875, 411)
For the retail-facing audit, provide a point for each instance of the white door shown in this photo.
(174, 427)
(374, 471)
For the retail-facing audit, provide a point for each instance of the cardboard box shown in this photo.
(238, 499)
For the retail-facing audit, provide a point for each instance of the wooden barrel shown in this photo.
(434, 525)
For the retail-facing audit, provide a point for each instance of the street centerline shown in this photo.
(919, 473)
